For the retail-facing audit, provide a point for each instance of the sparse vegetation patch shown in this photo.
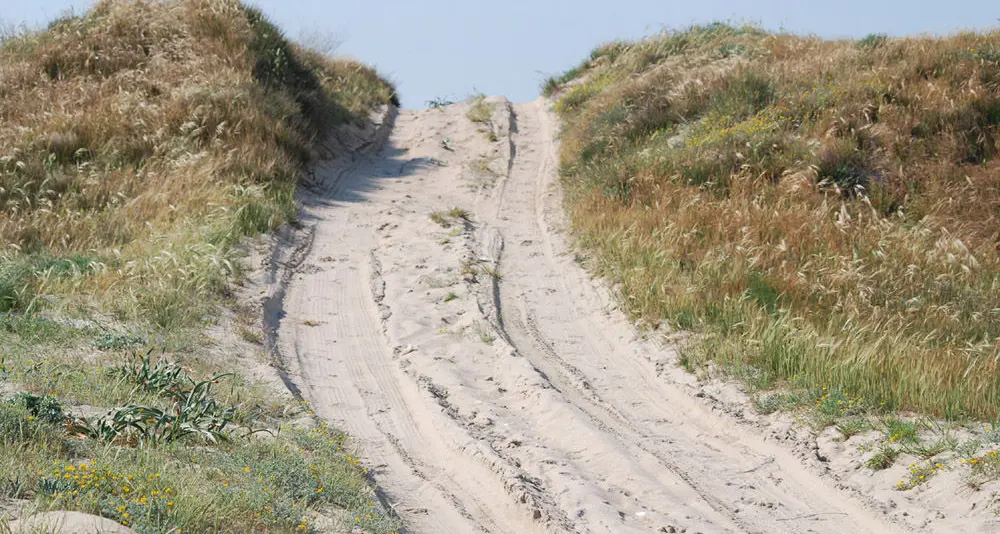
(446, 219)
(480, 111)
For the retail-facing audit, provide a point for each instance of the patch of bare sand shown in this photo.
(496, 388)
(67, 523)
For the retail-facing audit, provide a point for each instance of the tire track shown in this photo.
(552, 417)
(437, 476)
(577, 384)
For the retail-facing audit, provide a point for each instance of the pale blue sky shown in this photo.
(448, 49)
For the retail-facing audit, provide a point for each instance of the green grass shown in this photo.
(20, 277)
(552, 83)
(926, 451)
(968, 448)
(275, 485)
(459, 213)
(900, 431)
(609, 50)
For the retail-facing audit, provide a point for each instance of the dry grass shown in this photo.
(480, 111)
(823, 209)
(454, 216)
(140, 144)
(147, 138)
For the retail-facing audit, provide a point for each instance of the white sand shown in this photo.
(66, 523)
(525, 403)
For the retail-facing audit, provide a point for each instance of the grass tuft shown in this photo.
(451, 217)
(480, 111)
(884, 458)
(852, 427)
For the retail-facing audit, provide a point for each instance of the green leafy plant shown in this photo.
(919, 474)
(45, 407)
(161, 377)
(194, 414)
(439, 102)
(112, 341)
(900, 431)
(872, 41)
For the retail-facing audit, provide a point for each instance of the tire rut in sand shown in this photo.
(610, 417)
(334, 332)
(502, 397)
(525, 489)
(522, 333)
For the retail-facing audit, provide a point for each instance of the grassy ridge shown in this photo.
(823, 211)
(142, 140)
(140, 144)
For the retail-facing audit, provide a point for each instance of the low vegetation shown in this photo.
(446, 219)
(480, 111)
(142, 143)
(438, 103)
(823, 210)
(153, 444)
(554, 83)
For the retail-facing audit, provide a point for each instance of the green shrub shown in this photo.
(46, 408)
(872, 41)
(20, 426)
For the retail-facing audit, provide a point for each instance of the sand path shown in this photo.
(488, 379)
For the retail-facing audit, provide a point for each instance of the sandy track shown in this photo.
(488, 379)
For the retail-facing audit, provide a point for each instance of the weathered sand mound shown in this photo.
(67, 523)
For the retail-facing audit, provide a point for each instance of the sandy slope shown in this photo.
(488, 379)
